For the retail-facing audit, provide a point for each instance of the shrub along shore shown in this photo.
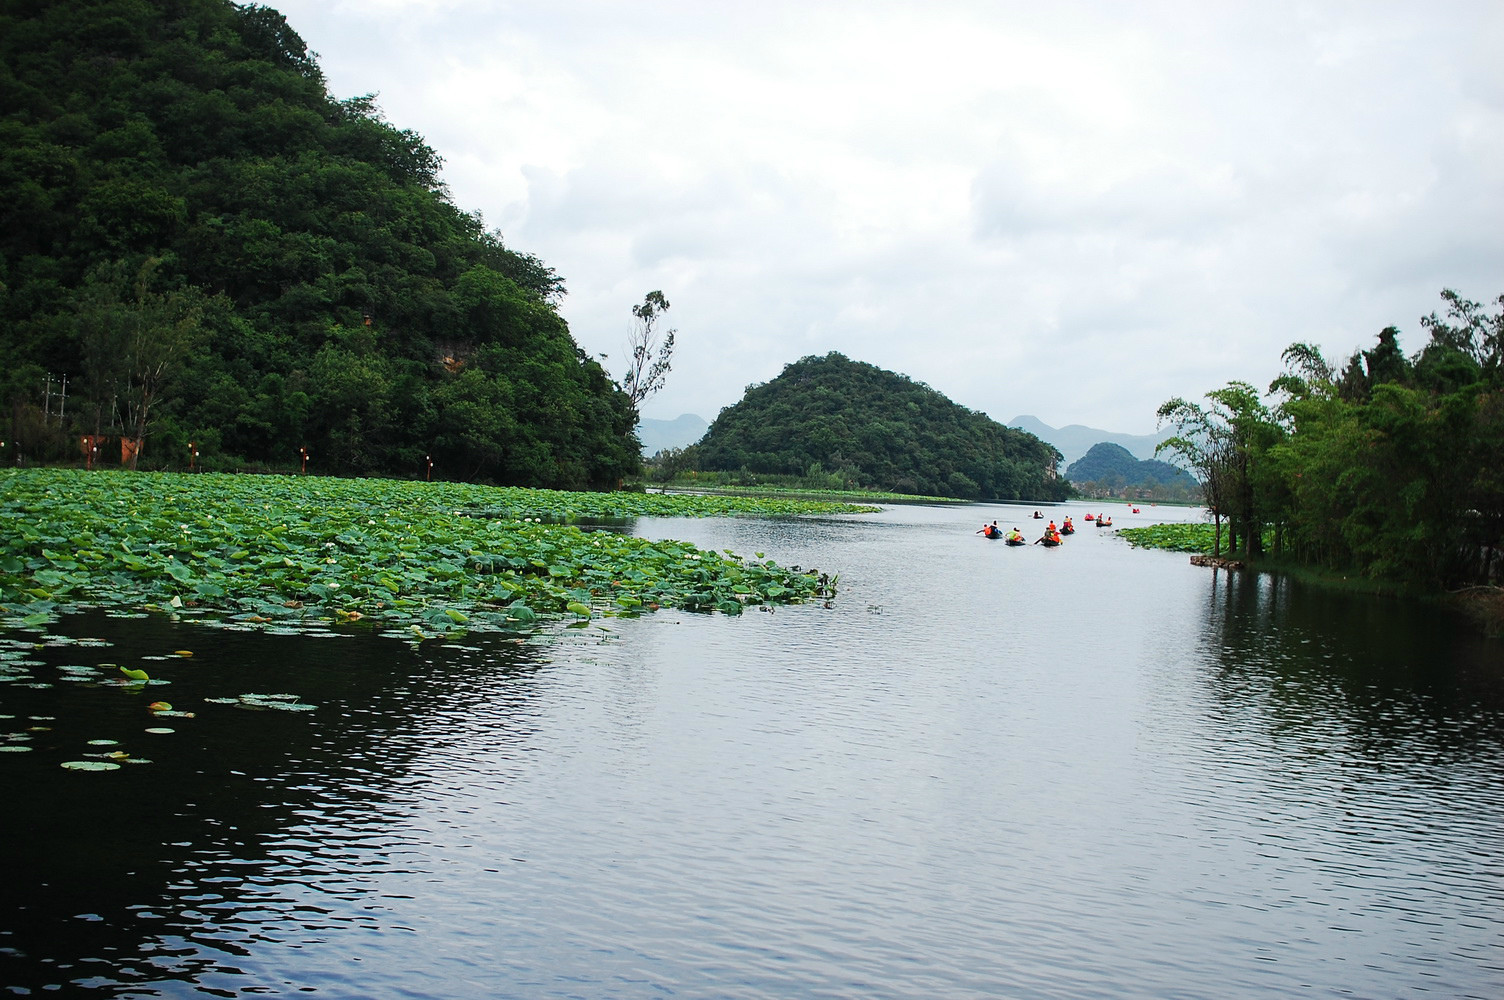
(429, 557)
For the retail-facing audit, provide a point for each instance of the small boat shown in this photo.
(1104, 522)
(1068, 529)
(1048, 542)
(1133, 509)
(1016, 541)
(1038, 516)
(992, 533)
(1090, 517)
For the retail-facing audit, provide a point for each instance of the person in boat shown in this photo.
(1051, 529)
(1015, 536)
(990, 530)
(1038, 516)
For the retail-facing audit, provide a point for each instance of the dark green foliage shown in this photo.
(1112, 463)
(874, 428)
(1392, 468)
(344, 304)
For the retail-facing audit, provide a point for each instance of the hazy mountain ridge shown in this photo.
(681, 432)
(1074, 440)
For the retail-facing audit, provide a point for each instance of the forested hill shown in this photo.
(877, 429)
(1114, 466)
(213, 249)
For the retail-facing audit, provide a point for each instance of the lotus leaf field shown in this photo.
(1196, 538)
(424, 557)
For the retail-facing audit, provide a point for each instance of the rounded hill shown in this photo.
(877, 429)
(1114, 466)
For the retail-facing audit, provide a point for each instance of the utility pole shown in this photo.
(62, 399)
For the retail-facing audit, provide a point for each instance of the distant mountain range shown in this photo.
(681, 432)
(1074, 441)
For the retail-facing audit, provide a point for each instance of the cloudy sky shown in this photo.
(1073, 210)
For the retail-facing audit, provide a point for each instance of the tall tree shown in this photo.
(648, 359)
(1227, 443)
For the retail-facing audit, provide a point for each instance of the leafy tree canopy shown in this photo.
(1388, 466)
(340, 301)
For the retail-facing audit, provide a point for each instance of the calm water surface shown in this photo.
(982, 771)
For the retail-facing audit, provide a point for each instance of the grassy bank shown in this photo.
(424, 556)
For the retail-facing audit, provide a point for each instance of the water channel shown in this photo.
(980, 772)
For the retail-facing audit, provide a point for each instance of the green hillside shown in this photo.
(878, 430)
(1114, 467)
(213, 249)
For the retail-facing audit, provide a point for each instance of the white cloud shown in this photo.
(1076, 210)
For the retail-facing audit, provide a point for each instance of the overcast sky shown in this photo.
(1070, 210)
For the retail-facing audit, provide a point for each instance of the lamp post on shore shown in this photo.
(304, 453)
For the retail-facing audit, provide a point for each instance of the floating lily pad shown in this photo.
(160, 730)
(485, 567)
(14, 748)
(90, 765)
(274, 702)
(104, 743)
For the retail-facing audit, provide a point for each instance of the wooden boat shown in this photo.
(1016, 541)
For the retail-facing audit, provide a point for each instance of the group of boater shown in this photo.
(1051, 536)
(992, 531)
(1103, 521)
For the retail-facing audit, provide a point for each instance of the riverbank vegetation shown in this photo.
(207, 261)
(425, 556)
(1389, 467)
(833, 423)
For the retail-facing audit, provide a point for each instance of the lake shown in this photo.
(981, 771)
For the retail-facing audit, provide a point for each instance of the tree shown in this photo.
(1227, 443)
(648, 361)
(134, 341)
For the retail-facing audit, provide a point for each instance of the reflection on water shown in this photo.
(980, 772)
